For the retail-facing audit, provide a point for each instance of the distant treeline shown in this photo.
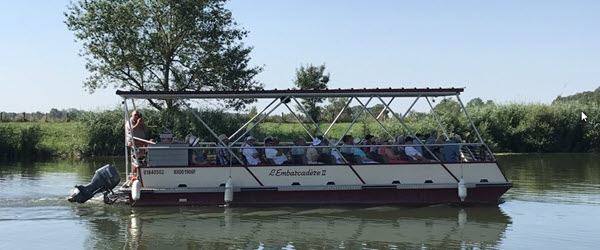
(53, 115)
(556, 127)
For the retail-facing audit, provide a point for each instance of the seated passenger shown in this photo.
(417, 144)
(276, 155)
(399, 141)
(336, 155)
(296, 149)
(438, 151)
(452, 150)
(312, 153)
(222, 153)
(388, 153)
(412, 152)
(369, 140)
(298, 153)
(433, 136)
(360, 153)
(347, 145)
(325, 153)
(166, 137)
(250, 153)
(196, 156)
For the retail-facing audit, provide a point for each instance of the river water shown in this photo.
(554, 204)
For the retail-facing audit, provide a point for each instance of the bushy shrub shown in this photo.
(104, 132)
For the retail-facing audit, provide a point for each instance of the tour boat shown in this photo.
(165, 176)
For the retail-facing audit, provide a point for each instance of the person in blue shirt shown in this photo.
(452, 150)
(195, 155)
(360, 153)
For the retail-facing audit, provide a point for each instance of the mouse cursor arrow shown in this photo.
(583, 117)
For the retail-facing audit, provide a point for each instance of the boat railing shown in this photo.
(470, 152)
(166, 146)
(281, 98)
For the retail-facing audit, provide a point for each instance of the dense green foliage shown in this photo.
(588, 97)
(162, 45)
(506, 128)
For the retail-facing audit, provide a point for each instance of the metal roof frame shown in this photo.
(300, 93)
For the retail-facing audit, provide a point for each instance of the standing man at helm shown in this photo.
(137, 127)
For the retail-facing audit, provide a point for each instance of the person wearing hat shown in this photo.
(196, 156)
(222, 153)
(411, 151)
(312, 155)
(274, 154)
(250, 153)
(360, 153)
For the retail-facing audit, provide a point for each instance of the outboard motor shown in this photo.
(104, 180)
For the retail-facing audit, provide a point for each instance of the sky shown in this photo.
(505, 51)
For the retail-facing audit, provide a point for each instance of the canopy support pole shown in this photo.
(474, 128)
(354, 120)
(132, 141)
(413, 134)
(252, 119)
(299, 121)
(338, 116)
(377, 120)
(319, 129)
(260, 120)
(437, 118)
(212, 132)
(384, 109)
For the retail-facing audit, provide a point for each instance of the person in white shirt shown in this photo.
(251, 154)
(411, 152)
(274, 154)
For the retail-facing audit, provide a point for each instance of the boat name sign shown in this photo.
(287, 172)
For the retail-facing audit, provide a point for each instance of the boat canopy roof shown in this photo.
(301, 93)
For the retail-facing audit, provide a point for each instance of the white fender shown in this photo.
(462, 190)
(229, 191)
(136, 190)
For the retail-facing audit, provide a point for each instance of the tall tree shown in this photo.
(162, 45)
(312, 77)
(336, 105)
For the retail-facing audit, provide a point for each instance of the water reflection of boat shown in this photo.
(438, 227)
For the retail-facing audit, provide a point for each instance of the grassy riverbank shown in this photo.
(31, 140)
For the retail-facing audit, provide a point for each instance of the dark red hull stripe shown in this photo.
(486, 194)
